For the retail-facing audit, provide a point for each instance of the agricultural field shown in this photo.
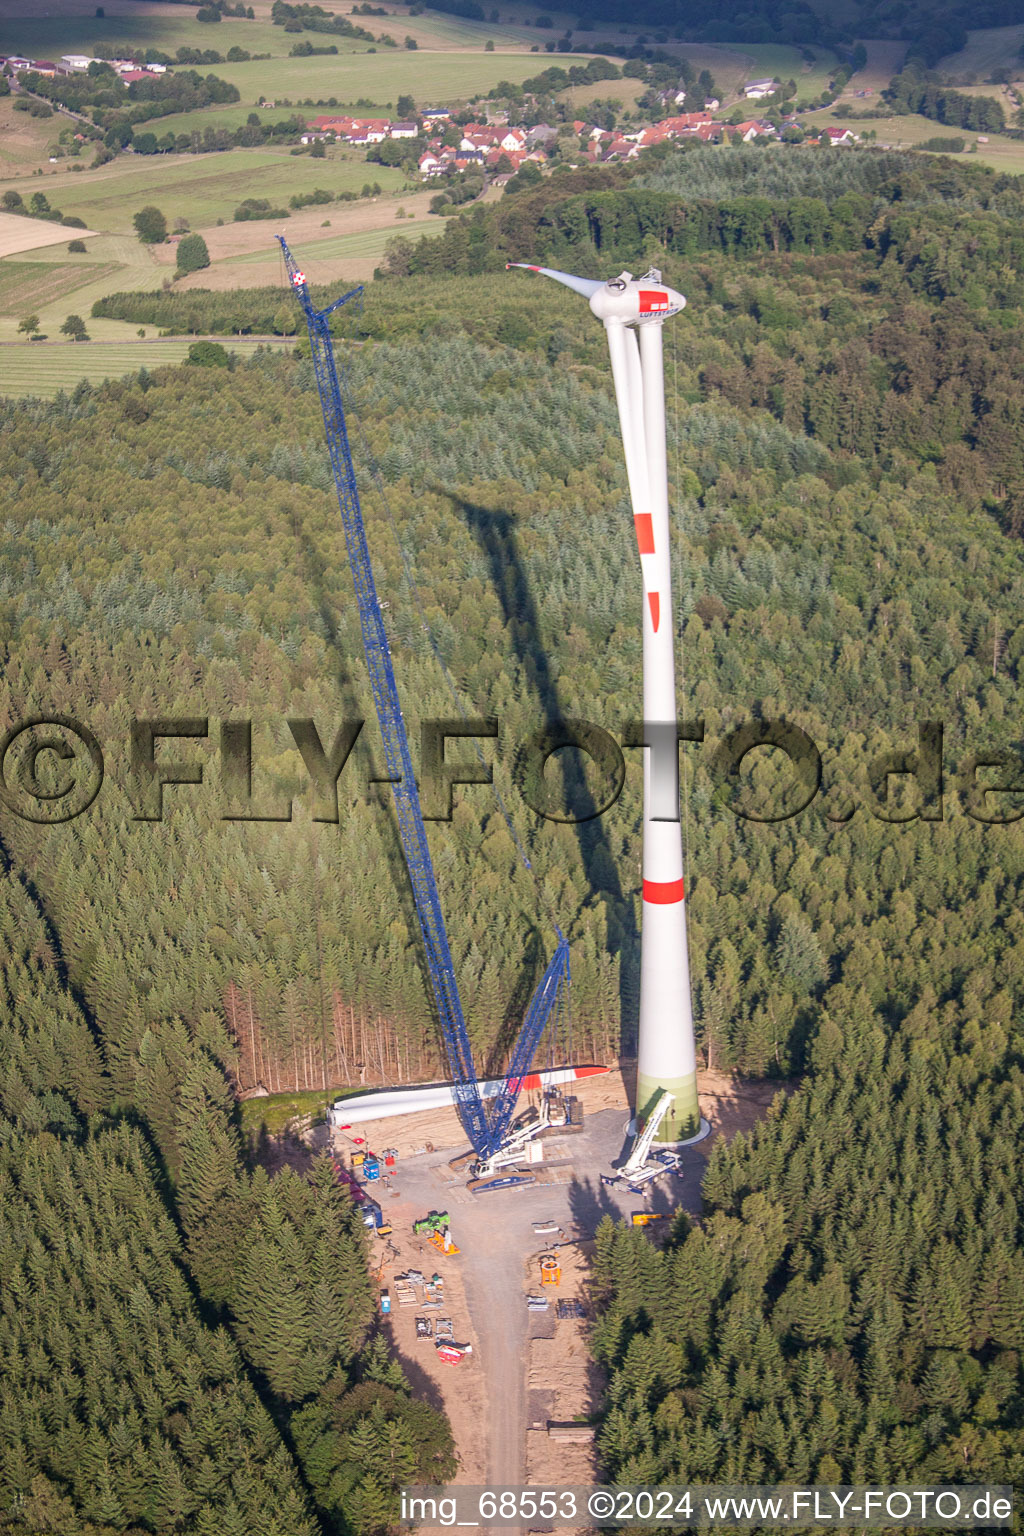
(25, 141)
(231, 117)
(440, 78)
(625, 92)
(206, 188)
(986, 51)
(42, 368)
(18, 233)
(170, 27)
(736, 63)
(143, 25)
(884, 59)
(31, 287)
(350, 255)
(1001, 153)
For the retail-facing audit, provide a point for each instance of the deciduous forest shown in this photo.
(848, 501)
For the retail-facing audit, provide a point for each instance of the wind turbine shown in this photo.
(633, 311)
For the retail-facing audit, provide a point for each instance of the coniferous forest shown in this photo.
(847, 467)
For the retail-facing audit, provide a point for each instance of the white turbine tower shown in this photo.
(633, 311)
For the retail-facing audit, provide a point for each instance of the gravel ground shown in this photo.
(489, 1401)
(496, 1236)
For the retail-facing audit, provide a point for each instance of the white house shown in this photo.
(755, 90)
(370, 131)
(74, 63)
(404, 130)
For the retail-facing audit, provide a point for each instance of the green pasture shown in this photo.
(203, 188)
(625, 92)
(905, 132)
(756, 61)
(365, 245)
(31, 287)
(217, 117)
(434, 30)
(167, 27)
(170, 27)
(25, 141)
(987, 50)
(42, 368)
(432, 79)
(52, 284)
(885, 56)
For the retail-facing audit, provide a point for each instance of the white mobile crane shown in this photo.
(636, 1170)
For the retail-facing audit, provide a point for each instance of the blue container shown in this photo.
(371, 1169)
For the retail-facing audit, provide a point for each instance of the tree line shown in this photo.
(912, 91)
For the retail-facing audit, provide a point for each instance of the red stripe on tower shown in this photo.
(655, 604)
(663, 892)
(644, 533)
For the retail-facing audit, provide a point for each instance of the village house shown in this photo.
(341, 127)
(757, 90)
(621, 149)
(405, 130)
(370, 131)
(749, 131)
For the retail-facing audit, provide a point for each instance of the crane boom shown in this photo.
(485, 1131)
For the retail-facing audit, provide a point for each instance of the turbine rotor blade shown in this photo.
(587, 286)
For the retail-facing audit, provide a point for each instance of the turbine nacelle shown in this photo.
(627, 299)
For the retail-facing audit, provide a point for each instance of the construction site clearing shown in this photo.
(488, 1302)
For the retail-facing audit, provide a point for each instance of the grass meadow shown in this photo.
(42, 368)
(432, 79)
(905, 132)
(739, 62)
(204, 188)
(986, 51)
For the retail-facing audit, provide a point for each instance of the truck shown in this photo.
(385, 1302)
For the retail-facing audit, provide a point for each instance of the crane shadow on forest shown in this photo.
(495, 530)
(315, 571)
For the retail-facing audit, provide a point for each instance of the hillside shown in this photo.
(845, 451)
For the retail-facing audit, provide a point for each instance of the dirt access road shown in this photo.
(487, 1397)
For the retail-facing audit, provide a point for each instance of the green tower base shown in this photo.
(683, 1119)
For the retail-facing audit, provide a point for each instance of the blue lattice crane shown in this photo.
(486, 1123)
